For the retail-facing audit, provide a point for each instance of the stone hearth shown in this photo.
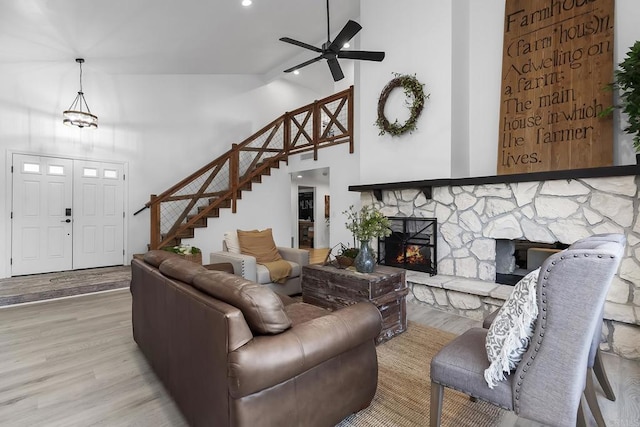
(471, 218)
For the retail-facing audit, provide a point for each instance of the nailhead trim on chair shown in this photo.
(543, 322)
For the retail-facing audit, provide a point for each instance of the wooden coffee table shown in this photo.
(334, 288)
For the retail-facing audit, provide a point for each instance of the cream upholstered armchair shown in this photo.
(247, 266)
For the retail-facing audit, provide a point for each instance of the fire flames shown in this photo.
(413, 256)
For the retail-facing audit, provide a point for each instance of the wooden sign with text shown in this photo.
(557, 60)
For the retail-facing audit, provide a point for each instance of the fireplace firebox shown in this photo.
(412, 244)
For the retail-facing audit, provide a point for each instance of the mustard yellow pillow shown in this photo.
(259, 244)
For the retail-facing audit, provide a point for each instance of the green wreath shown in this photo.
(413, 89)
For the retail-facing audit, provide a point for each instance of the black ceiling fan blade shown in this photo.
(304, 64)
(336, 71)
(365, 55)
(350, 29)
(300, 44)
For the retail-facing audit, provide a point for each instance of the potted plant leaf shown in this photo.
(188, 252)
(627, 80)
(346, 256)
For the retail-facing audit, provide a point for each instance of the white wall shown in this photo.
(416, 36)
(460, 149)
(163, 126)
(485, 72)
(461, 67)
(485, 59)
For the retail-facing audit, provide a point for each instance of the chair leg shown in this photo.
(601, 375)
(592, 401)
(435, 411)
(581, 418)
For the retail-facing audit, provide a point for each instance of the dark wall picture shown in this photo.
(305, 206)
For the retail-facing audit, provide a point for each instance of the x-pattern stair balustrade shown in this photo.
(187, 205)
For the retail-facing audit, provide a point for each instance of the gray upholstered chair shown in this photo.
(594, 366)
(548, 384)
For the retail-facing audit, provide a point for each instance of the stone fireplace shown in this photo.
(472, 216)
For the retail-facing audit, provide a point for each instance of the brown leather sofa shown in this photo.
(234, 353)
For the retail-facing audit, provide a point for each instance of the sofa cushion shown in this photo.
(156, 257)
(259, 244)
(181, 269)
(261, 307)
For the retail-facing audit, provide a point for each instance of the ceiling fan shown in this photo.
(331, 51)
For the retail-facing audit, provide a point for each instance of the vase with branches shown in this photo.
(366, 224)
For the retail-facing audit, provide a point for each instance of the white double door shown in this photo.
(66, 214)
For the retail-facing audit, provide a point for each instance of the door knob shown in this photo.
(66, 220)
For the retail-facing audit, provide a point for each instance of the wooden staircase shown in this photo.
(177, 212)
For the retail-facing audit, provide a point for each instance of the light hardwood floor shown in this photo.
(73, 362)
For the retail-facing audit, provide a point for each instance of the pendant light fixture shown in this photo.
(78, 113)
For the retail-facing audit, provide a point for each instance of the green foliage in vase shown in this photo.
(367, 223)
(182, 249)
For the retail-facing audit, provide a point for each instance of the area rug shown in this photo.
(39, 287)
(402, 398)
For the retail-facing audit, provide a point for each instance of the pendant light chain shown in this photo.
(81, 91)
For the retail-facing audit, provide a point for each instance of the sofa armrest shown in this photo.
(243, 265)
(299, 256)
(269, 360)
(227, 267)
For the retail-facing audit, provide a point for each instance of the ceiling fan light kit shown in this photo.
(79, 114)
(332, 50)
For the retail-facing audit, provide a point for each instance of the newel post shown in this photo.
(287, 134)
(155, 233)
(350, 119)
(234, 178)
(316, 128)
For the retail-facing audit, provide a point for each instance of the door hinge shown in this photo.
(123, 214)
(123, 252)
(11, 168)
(10, 261)
(124, 177)
(11, 215)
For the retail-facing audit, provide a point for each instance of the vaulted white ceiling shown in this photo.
(166, 36)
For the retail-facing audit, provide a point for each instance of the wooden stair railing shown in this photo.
(185, 206)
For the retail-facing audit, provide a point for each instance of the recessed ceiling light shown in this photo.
(346, 46)
(296, 72)
(299, 176)
(246, 3)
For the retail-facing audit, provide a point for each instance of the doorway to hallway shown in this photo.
(310, 208)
